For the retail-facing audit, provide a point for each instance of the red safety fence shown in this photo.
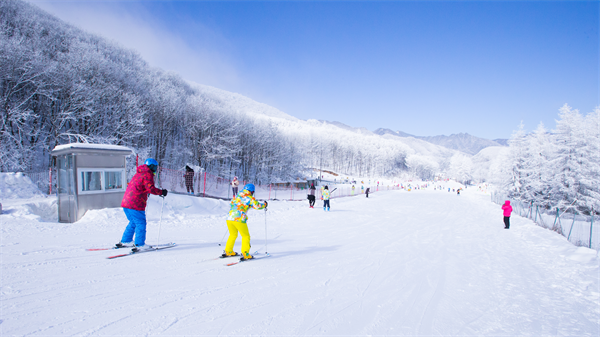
(205, 184)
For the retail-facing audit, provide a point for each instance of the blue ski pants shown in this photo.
(137, 226)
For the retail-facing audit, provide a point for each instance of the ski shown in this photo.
(115, 247)
(243, 260)
(151, 249)
(220, 258)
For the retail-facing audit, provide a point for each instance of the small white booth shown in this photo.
(90, 176)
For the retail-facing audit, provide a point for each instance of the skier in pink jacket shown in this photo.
(134, 205)
(507, 208)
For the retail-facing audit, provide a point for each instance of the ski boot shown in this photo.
(228, 254)
(136, 249)
(246, 256)
(123, 244)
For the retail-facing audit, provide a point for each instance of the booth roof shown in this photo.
(91, 147)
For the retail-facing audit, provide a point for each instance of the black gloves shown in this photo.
(164, 192)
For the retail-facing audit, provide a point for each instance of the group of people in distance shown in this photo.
(142, 185)
(325, 196)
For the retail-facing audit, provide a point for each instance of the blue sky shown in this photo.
(425, 68)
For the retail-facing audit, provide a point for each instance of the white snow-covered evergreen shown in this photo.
(560, 168)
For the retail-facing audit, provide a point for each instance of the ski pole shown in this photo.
(223, 238)
(266, 250)
(160, 221)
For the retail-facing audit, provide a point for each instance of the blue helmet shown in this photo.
(249, 187)
(152, 164)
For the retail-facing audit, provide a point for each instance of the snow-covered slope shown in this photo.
(418, 263)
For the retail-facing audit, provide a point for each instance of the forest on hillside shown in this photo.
(59, 84)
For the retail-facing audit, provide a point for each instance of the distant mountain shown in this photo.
(349, 128)
(503, 142)
(382, 132)
(463, 142)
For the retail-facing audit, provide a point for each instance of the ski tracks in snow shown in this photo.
(397, 263)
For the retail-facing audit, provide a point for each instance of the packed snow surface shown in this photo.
(418, 263)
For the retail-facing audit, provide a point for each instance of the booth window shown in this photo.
(98, 180)
(114, 180)
(91, 181)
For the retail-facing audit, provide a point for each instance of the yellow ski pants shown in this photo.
(235, 227)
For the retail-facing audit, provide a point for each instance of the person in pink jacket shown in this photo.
(134, 204)
(507, 208)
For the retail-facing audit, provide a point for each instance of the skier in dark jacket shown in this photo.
(367, 191)
(311, 196)
(134, 204)
(189, 179)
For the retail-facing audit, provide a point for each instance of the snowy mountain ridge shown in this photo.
(463, 142)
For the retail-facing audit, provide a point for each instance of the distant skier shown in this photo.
(352, 189)
(325, 197)
(367, 191)
(236, 221)
(507, 208)
(234, 186)
(189, 179)
(311, 196)
(134, 204)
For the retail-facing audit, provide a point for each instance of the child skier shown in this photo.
(507, 208)
(236, 221)
(134, 204)
(367, 191)
(325, 198)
